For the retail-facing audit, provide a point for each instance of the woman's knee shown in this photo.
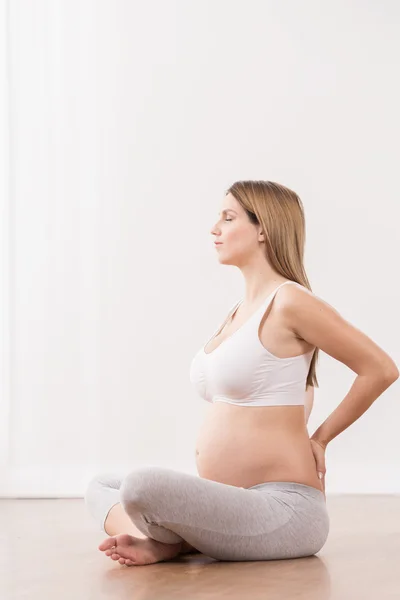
(101, 494)
(140, 485)
(99, 483)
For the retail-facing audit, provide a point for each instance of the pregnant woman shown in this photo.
(260, 490)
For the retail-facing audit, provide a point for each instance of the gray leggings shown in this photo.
(272, 520)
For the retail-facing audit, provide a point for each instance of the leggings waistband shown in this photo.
(290, 486)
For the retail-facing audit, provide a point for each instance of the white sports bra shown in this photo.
(242, 371)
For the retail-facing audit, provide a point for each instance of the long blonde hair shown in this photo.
(280, 212)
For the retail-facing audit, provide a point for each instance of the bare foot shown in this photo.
(129, 550)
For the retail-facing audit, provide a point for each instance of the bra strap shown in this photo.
(271, 296)
(230, 313)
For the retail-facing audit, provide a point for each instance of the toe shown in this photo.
(108, 543)
(121, 561)
(115, 556)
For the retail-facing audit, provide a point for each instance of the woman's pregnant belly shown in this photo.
(243, 446)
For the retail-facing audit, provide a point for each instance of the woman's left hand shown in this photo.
(318, 450)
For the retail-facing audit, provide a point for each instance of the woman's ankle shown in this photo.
(186, 548)
(118, 521)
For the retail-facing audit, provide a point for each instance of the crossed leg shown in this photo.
(102, 498)
(118, 522)
(174, 510)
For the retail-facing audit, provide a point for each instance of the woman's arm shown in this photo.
(317, 322)
(363, 392)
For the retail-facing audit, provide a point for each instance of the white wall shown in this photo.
(127, 121)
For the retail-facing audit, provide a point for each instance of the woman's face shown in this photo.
(238, 237)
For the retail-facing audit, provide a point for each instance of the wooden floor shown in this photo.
(48, 550)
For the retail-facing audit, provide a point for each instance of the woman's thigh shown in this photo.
(272, 520)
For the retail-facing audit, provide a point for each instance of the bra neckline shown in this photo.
(244, 324)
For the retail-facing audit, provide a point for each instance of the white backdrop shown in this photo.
(124, 123)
